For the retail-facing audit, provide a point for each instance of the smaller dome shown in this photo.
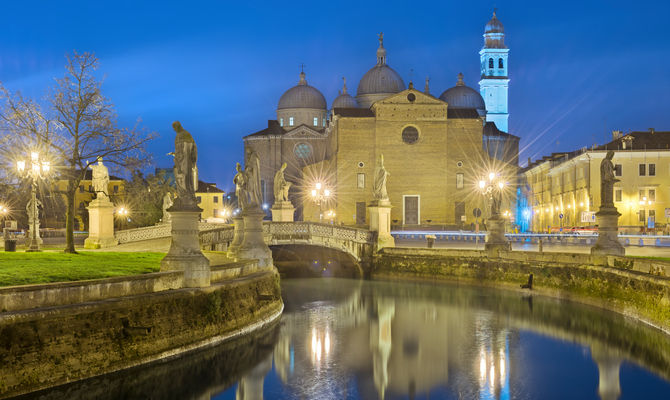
(344, 100)
(302, 96)
(494, 25)
(461, 96)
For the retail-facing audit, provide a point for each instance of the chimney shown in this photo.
(616, 135)
(652, 130)
(529, 161)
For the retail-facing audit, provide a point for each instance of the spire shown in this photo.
(426, 89)
(460, 80)
(302, 81)
(344, 85)
(381, 51)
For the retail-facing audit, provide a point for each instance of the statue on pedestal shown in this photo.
(252, 169)
(32, 209)
(281, 186)
(100, 179)
(379, 187)
(240, 187)
(167, 203)
(607, 181)
(185, 158)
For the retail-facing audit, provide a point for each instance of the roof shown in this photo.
(461, 96)
(272, 129)
(490, 129)
(462, 113)
(205, 187)
(640, 140)
(354, 112)
(302, 96)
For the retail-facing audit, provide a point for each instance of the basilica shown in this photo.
(435, 149)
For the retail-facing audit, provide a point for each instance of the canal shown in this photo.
(355, 339)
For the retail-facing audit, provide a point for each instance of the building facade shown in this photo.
(435, 148)
(563, 190)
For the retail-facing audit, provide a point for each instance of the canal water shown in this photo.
(354, 339)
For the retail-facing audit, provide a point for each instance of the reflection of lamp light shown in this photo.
(482, 365)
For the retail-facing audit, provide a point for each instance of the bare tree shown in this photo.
(79, 127)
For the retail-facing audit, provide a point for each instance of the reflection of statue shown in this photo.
(167, 203)
(379, 187)
(281, 186)
(253, 179)
(240, 187)
(100, 179)
(185, 157)
(32, 209)
(607, 181)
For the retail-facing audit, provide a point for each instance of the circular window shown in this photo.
(411, 97)
(361, 164)
(410, 135)
(302, 150)
(459, 164)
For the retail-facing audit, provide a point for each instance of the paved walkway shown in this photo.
(649, 251)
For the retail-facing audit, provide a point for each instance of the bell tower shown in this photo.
(494, 83)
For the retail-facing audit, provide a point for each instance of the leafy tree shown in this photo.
(144, 197)
(78, 127)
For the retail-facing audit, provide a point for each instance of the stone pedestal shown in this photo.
(184, 254)
(380, 222)
(33, 245)
(238, 236)
(253, 246)
(496, 240)
(608, 233)
(100, 224)
(282, 211)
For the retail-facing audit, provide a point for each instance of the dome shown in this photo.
(494, 25)
(461, 96)
(302, 96)
(344, 100)
(381, 78)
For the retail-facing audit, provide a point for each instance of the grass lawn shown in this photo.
(25, 268)
(667, 259)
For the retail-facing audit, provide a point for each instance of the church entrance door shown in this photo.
(411, 210)
(459, 213)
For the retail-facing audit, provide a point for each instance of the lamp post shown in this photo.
(33, 169)
(122, 213)
(320, 194)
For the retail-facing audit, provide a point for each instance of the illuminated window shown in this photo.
(500, 63)
(641, 194)
(459, 181)
(360, 182)
(490, 63)
(302, 150)
(281, 121)
(652, 169)
(323, 121)
(290, 121)
(652, 195)
(316, 121)
(642, 218)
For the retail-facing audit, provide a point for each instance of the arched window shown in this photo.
(490, 63)
(500, 63)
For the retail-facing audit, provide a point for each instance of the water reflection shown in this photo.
(348, 339)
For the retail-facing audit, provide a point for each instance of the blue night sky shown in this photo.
(578, 69)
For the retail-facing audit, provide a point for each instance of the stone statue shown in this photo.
(496, 200)
(607, 181)
(252, 176)
(29, 209)
(281, 186)
(379, 186)
(167, 203)
(185, 158)
(240, 187)
(100, 179)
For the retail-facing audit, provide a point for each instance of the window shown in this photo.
(290, 121)
(410, 135)
(641, 194)
(82, 205)
(116, 188)
(316, 121)
(81, 189)
(617, 195)
(281, 121)
(323, 122)
(643, 169)
(302, 150)
(360, 181)
(459, 181)
(500, 63)
(490, 63)
(652, 169)
(198, 199)
(90, 188)
(617, 169)
(216, 199)
(651, 196)
(652, 215)
(642, 218)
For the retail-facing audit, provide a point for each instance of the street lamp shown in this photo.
(320, 194)
(493, 188)
(122, 213)
(33, 169)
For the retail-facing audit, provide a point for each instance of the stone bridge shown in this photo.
(357, 242)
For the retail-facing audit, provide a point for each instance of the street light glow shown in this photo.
(482, 184)
(491, 176)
